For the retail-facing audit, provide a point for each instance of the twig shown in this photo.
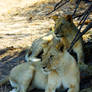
(77, 5)
(57, 6)
(89, 26)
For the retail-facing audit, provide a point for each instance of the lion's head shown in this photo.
(52, 56)
(34, 53)
(65, 27)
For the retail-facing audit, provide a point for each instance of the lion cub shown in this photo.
(35, 51)
(27, 76)
(64, 27)
(61, 68)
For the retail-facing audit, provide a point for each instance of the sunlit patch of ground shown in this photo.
(8, 5)
(20, 23)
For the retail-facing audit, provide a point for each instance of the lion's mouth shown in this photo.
(37, 57)
(40, 54)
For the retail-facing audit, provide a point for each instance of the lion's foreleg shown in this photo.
(53, 82)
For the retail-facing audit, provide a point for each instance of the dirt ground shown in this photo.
(21, 22)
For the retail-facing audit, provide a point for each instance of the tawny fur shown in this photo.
(27, 76)
(64, 27)
(61, 68)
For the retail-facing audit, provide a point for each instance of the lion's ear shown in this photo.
(69, 18)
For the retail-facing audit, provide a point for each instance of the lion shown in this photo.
(64, 27)
(36, 50)
(27, 76)
(61, 67)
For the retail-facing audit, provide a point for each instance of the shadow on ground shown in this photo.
(10, 57)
